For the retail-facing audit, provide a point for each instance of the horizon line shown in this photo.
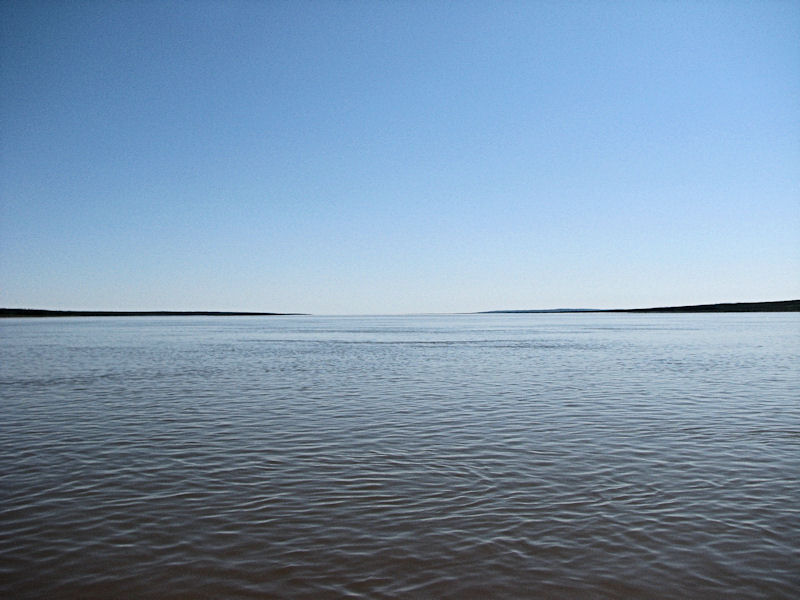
(768, 306)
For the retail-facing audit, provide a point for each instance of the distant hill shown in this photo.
(779, 306)
(32, 312)
(542, 310)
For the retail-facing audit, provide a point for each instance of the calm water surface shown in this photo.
(491, 456)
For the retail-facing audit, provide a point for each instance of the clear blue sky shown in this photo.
(393, 157)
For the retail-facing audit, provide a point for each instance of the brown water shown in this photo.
(503, 456)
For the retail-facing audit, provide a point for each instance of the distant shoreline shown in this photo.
(32, 312)
(779, 306)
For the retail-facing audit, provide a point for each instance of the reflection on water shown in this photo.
(550, 456)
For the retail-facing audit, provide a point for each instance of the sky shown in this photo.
(348, 157)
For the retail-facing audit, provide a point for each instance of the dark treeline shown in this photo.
(778, 306)
(32, 312)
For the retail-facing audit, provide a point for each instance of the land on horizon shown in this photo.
(34, 312)
(776, 306)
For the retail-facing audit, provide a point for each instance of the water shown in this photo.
(502, 456)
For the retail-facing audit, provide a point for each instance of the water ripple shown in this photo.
(449, 457)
